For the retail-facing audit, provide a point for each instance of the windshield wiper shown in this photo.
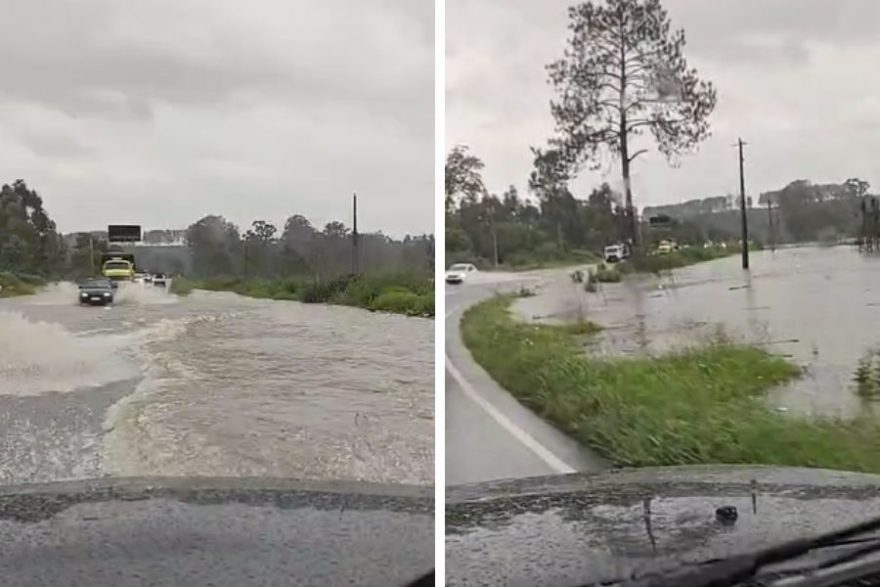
(735, 570)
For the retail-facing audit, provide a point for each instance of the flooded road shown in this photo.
(818, 307)
(212, 384)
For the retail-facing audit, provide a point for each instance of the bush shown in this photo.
(12, 284)
(426, 305)
(181, 286)
(399, 302)
(606, 274)
(322, 292)
(410, 294)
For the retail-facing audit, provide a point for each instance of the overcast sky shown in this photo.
(795, 78)
(157, 112)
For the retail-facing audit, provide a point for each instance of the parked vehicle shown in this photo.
(616, 253)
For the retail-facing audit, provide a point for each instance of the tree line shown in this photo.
(801, 211)
(30, 244)
(549, 224)
(219, 248)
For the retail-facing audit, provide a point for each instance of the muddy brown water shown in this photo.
(212, 384)
(818, 307)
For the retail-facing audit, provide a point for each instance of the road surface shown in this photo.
(212, 384)
(489, 435)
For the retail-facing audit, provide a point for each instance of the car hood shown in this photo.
(204, 531)
(580, 529)
(95, 290)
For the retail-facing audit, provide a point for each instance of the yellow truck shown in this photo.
(118, 266)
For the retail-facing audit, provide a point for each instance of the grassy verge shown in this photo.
(410, 295)
(675, 260)
(692, 407)
(526, 261)
(568, 260)
(16, 285)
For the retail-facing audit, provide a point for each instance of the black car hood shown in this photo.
(162, 531)
(96, 290)
(582, 529)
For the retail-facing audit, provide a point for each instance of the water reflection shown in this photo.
(815, 306)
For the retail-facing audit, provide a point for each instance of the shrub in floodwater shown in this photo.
(867, 376)
(607, 274)
(182, 286)
(590, 283)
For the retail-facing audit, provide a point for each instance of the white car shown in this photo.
(459, 272)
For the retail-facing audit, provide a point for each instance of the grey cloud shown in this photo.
(791, 77)
(157, 84)
(772, 31)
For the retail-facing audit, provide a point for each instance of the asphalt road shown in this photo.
(489, 435)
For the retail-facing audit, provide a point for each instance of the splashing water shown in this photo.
(40, 357)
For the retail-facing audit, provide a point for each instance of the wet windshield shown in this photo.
(459, 268)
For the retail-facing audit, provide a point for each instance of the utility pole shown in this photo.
(92, 253)
(354, 236)
(742, 207)
(770, 224)
(494, 242)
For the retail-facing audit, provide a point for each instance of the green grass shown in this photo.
(399, 293)
(16, 285)
(607, 274)
(529, 262)
(542, 258)
(641, 263)
(697, 406)
(682, 258)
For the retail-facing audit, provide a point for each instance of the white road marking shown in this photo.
(529, 441)
(542, 452)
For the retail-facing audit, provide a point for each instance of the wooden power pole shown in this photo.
(354, 236)
(743, 211)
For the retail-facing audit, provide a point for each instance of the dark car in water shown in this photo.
(96, 291)
(687, 526)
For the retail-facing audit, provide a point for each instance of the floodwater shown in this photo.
(818, 307)
(212, 384)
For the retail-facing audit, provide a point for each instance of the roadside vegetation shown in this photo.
(398, 293)
(299, 261)
(697, 406)
(867, 376)
(677, 259)
(18, 285)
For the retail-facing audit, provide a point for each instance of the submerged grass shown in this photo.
(641, 263)
(399, 293)
(695, 406)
